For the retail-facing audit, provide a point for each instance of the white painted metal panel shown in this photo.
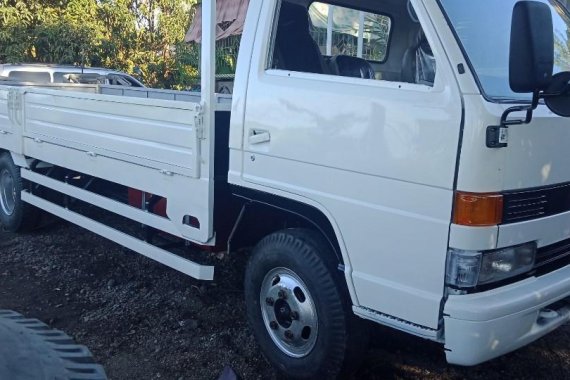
(545, 231)
(473, 238)
(538, 152)
(185, 195)
(151, 132)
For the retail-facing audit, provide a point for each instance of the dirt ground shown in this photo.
(145, 321)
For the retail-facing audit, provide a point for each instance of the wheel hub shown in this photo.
(7, 192)
(289, 312)
(283, 313)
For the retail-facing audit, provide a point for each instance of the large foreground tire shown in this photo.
(299, 309)
(30, 350)
(15, 215)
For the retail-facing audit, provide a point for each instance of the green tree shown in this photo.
(144, 36)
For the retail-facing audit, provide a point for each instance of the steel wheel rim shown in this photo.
(7, 192)
(289, 312)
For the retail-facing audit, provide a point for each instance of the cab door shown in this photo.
(375, 152)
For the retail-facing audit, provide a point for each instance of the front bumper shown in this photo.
(483, 326)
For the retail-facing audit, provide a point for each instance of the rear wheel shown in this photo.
(299, 309)
(15, 215)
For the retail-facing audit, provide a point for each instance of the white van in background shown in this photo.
(42, 73)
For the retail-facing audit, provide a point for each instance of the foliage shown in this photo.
(561, 40)
(142, 37)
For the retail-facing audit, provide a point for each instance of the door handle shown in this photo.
(259, 136)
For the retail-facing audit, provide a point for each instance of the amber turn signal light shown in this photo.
(478, 210)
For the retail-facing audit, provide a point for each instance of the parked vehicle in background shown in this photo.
(43, 73)
(400, 162)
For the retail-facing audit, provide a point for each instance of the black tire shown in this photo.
(307, 264)
(15, 215)
(31, 350)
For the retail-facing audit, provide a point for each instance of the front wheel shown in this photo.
(15, 215)
(299, 309)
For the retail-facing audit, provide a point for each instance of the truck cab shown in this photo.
(389, 139)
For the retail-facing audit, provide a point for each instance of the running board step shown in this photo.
(190, 268)
(399, 324)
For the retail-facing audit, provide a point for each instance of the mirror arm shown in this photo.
(529, 111)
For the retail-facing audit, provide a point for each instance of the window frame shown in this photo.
(367, 10)
(268, 50)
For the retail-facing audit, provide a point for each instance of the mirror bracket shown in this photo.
(529, 111)
(498, 136)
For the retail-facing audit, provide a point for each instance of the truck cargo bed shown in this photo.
(151, 140)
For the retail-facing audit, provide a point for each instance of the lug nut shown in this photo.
(282, 294)
(294, 315)
(289, 335)
(270, 301)
(273, 325)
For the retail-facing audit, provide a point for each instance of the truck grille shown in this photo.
(525, 208)
(526, 205)
(552, 253)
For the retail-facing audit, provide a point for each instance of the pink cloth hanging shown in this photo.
(230, 17)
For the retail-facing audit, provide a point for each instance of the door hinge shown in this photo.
(199, 123)
(15, 106)
(14, 100)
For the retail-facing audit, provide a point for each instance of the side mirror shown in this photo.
(530, 68)
(532, 47)
(557, 95)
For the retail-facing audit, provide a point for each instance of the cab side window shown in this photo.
(386, 43)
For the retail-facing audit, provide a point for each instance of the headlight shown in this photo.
(466, 269)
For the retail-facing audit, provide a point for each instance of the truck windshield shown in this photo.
(484, 29)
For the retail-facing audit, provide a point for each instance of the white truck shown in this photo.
(410, 169)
